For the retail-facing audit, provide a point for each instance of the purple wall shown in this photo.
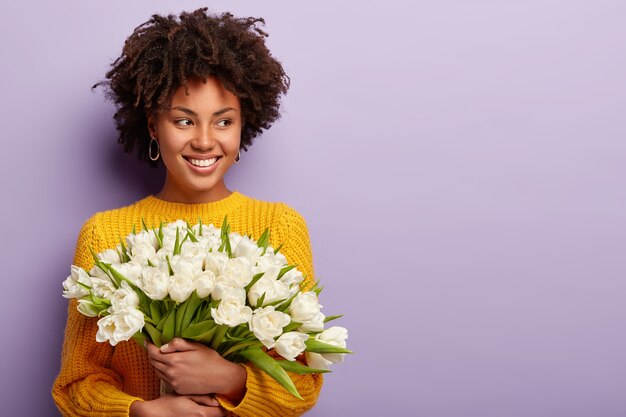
(461, 166)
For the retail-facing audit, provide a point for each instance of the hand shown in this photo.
(193, 368)
(174, 405)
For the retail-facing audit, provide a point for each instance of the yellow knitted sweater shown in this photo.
(97, 379)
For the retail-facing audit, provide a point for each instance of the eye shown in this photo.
(224, 123)
(183, 122)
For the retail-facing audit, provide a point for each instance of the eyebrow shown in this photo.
(193, 113)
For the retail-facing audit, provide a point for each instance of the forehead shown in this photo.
(207, 94)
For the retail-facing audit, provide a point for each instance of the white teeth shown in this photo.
(202, 162)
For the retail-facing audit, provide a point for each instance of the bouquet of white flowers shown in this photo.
(208, 285)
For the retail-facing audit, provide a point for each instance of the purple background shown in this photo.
(461, 166)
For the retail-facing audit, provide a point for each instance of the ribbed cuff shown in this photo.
(255, 402)
(95, 399)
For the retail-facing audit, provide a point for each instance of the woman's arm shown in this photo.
(86, 385)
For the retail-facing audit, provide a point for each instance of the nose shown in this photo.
(203, 140)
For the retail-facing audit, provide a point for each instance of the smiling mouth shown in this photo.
(203, 163)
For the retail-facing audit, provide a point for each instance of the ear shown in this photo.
(151, 116)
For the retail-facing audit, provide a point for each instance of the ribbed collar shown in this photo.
(193, 211)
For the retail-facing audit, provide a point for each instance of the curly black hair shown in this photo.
(162, 53)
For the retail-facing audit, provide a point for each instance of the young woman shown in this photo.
(191, 92)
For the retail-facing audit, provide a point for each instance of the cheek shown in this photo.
(233, 142)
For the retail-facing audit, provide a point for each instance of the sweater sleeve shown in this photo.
(86, 385)
(264, 396)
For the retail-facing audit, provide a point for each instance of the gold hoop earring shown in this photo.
(150, 147)
(238, 157)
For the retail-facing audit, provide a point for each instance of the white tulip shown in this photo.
(267, 324)
(204, 283)
(269, 271)
(292, 277)
(102, 288)
(143, 238)
(291, 344)
(305, 309)
(74, 285)
(182, 265)
(96, 272)
(273, 290)
(223, 289)
(231, 312)
(130, 270)
(88, 308)
(180, 287)
(248, 249)
(109, 256)
(215, 261)
(124, 297)
(120, 326)
(142, 253)
(155, 283)
(335, 336)
(270, 258)
(238, 271)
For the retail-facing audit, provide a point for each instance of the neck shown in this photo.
(172, 193)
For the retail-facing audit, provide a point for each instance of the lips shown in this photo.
(202, 163)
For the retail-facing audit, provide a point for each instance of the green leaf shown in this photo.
(200, 332)
(155, 334)
(159, 235)
(140, 338)
(231, 337)
(219, 336)
(284, 270)
(284, 306)
(275, 303)
(232, 351)
(119, 278)
(208, 314)
(264, 240)
(180, 313)
(177, 244)
(192, 236)
(278, 248)
(316, 346)
(161, 322)
(169, 265)
(291, 326)
(318, 290)
(155, 311)
(144, 226)
(299, 368)
(225, 246)
(193, 302)
(330, 318)
(169, 326)
(200, 226)
(124, 256)
(259, 302)
(270, 366)
(255, 278)
(94, 254)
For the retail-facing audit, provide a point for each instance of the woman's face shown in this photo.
(199, 138)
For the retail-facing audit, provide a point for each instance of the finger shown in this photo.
(160, 367)
(215, 412)
(207, 400)
(154, 354)
(177, 345)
